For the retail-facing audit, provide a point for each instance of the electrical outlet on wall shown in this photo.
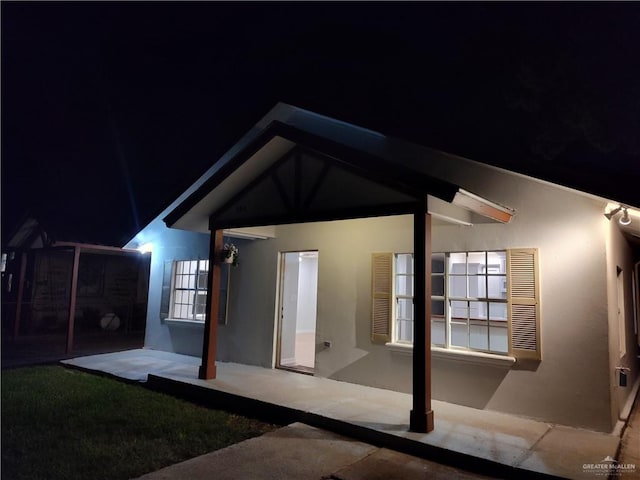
(327, 344)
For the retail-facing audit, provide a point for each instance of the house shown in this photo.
(366, 259)
(53, 286)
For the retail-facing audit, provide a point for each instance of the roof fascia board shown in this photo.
(318, 216)
(226, 167)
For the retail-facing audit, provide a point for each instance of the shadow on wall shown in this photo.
(186, 340)
(464, 383)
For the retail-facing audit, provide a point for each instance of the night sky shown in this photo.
(110, 110)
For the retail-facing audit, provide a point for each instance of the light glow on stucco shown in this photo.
(145, 248)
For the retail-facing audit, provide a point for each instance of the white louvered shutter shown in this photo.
(524, 303)
(381, 296)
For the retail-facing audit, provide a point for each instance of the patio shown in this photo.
(479, 440)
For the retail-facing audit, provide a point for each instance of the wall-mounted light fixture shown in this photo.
(624, 219)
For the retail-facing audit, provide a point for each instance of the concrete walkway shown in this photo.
(299, 451)
(482, 441)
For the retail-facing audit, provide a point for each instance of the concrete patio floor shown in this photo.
(483, 441)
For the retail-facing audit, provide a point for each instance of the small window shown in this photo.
(403, 332)
(189, 299)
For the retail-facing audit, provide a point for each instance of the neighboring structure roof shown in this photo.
(28, 234)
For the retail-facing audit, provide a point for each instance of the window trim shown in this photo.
(225, 282)
(459, 355)
(171, 319)
(395, 297)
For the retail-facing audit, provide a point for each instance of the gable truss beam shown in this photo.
(315, 216)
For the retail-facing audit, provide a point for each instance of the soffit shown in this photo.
(308, 186)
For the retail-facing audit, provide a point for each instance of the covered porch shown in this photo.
(290, 175)
(480, 440)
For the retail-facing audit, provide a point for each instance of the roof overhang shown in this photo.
(275, 142)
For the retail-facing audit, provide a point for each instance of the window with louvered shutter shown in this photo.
(382, 296)
(523, 303)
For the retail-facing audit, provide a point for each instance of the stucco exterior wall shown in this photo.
(169, 245)
(570, 385)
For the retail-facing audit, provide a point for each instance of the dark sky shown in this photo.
(110, 110)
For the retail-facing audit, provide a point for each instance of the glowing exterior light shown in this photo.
(145, 248)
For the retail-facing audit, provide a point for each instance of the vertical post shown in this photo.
(72, 299)
(23, 273)
(421, 418)
(208, 367)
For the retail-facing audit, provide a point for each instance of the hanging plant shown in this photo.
(230, 254)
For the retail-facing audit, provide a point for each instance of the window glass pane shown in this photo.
(476, 263)
(457, 263)
(190, 281)
(437, 308)
(497, 286)
(458, 286)
(459, 335)
(404, 331)
(498, 311)
(437, 285)
(478, 337)
(478, 310)
(437, 263)
(405, 309)
(404, 285)
(404, 263)
(184, 311)
(459, 311)
(497, 262)
(201, 303)
(498, 339)
(204, 265)
(437, 330)
(194, 267)
(202, 280)
(477, 286)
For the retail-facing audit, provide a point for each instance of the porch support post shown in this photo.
(72, 299)
(18, 317)
(421, 418)
(208, 367)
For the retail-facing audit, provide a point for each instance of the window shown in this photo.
(189, 296)
(403, 332)
(469, 301)
(484, 301)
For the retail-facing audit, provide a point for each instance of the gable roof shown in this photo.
(392, 163)
(337, 148)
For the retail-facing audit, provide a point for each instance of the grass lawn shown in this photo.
(59, 423)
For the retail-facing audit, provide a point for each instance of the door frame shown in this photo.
(277, 349)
